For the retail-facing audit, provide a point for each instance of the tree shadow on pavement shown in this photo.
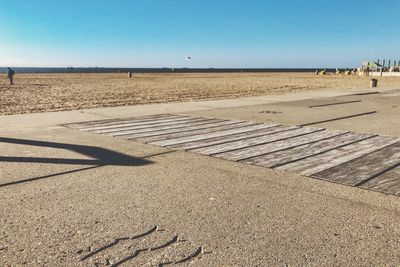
(99, 157)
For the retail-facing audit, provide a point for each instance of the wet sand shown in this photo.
(55, 92)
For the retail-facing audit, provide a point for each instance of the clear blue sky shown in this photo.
(215, 33)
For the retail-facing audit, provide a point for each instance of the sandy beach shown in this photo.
(55, 92)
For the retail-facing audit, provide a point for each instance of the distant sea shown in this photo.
(156, 70)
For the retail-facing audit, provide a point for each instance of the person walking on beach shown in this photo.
(10, 75)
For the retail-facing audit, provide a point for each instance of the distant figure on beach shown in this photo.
(10, 75)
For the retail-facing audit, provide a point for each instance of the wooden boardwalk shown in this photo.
(363, 160)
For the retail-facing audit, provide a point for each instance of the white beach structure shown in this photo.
(391, 68)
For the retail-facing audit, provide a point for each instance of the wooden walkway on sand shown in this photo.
(363, 160)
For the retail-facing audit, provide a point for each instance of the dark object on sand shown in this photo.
(374, 83)
(10, 75)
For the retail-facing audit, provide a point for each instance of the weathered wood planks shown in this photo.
(186, 139)
(363, 160)
(334, 104)
(312, 165)
(339, 118)
(185, 124)
(126, 135)
(225, 147)
(138, 123)
(388, 182)
(360, 170)
(234, 137)
(200, 131)
(158, 125)
(258, 150)
(280, 158)
(81, 125)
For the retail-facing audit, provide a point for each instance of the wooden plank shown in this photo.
(359, 170)
(180, 140)
(388, 182)
(286, 156)
(118, 120)
(340, 118)
(225, 147)
(175, 128)
(254, 151)
(133, 122)
(367, 93)
(191, 133)
(235, 137)
(97, 122)
(164, 125)
(187, 129)
(195, 132)
(335, 103)
(140, 123)
(312, 165)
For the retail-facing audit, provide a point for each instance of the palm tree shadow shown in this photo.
(99, 157)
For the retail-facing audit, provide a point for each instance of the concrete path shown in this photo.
(74, 198)
(55, 118)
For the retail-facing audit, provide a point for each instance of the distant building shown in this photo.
(369, 68)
